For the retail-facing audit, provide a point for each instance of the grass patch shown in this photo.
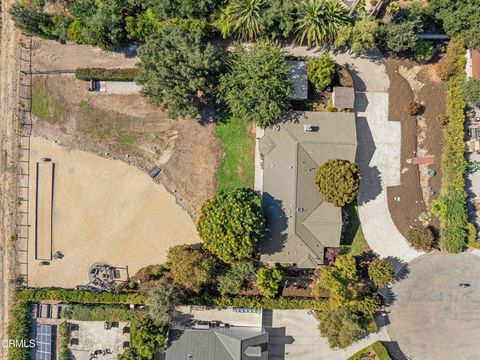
(44, 104)
(376, 348)
(107, 126)
(352, 241)
(237, 167)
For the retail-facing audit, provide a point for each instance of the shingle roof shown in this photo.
(234, 343)
(300, 223)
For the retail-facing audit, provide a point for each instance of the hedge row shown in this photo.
(19, 330)
(119, 313)
(87, 297)
(453, 215)
(106, 74)
(79, 296)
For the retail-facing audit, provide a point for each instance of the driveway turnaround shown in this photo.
(378, 156)
(433, 318)
(295, 336)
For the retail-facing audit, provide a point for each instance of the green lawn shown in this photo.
(377, 348)
(44, 104)
(353, 241)
(237, 167)
(106, 126)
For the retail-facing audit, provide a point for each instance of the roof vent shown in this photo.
(307, 128)
(300, 209)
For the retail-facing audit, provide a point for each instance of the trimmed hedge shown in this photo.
(19, 330)
(106, 74)
(87, 297)
(79, 296)
(377, 348)
(120, 313)
(452, 198)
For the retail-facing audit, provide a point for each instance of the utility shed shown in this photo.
(300, 224)
(297, 73)
(475, 63)
(343, 97)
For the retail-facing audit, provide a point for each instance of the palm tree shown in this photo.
(319, 21)
(246, 17)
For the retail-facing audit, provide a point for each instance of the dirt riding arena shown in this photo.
(104, 211)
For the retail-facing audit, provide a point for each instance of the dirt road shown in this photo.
(9, 82)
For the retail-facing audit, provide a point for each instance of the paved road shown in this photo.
(433, 318)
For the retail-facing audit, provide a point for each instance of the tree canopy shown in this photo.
(338, 181)
(380, 271)
(178, 69)
(268, 281)
(191, 268)
(320, 71)
(234, 278)
(231, 224)
(471, 91)
(256, 87)
(147, 337)
(319, 21)
(163, 299)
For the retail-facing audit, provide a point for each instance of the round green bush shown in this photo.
(320, 71)
(420, 239)
(338, 181)
(231, 224)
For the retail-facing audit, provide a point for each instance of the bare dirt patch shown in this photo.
(405, 202)
(49, 55)
(103, 211)
(126, 127)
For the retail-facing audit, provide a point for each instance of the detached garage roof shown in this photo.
(297, 73)
(300, 223)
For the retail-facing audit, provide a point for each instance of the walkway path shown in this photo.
(378, 153)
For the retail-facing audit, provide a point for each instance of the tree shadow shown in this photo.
(358, 83)
(277, 223)
(394, 350)
(370, 184)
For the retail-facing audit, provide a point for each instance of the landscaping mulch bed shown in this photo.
(405, 201)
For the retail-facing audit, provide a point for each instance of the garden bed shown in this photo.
(406, 201)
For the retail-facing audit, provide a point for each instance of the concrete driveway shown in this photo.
(433, 318)
(295, 336)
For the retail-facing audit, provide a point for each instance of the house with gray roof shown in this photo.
(300, 224)
(219, 343)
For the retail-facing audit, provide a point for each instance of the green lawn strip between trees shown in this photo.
(44, 104)
(353, 241)
(377, 348)
(237, 167)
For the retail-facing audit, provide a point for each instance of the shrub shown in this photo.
(445, 68)
(63, 338)
(163, 299)
(320, 71)
(191, 268)
(31, 19)
(401, 36)
(380, 272)
(420, 239)
(74, 32)
(341, 327)
(19, 330)
(252, 302)
(233, 280)
(268, 281)
(106, 74)
(231, 223)
(423, 50)
(146, 337)
(338, 181)
(472, 236)
(471, 91)
(442, 119)
(414, 108)
(344, 77)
